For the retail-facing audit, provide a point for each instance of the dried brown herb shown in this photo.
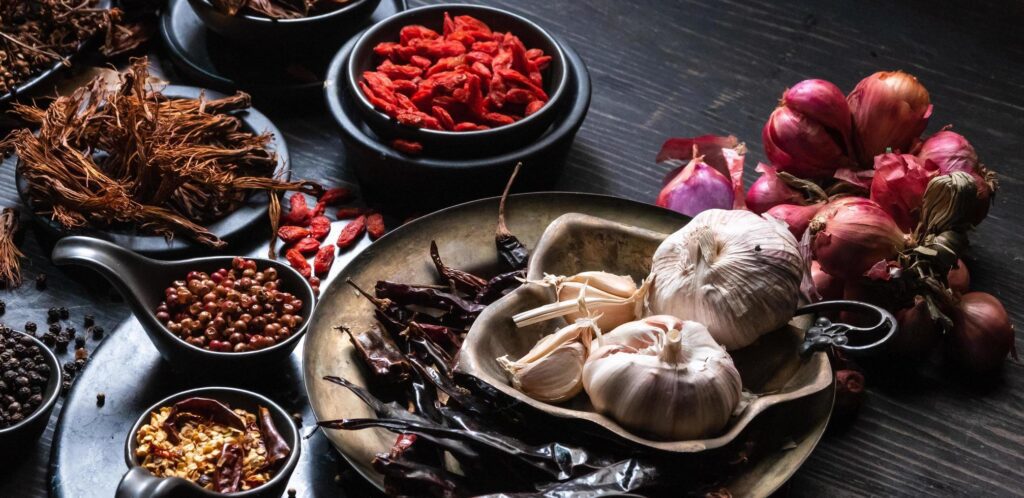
(278, 9)
(127, 154)
(10, 255)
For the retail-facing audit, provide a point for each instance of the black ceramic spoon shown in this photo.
(142, 281)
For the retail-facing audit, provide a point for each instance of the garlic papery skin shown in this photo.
(552, 370)
(734, 271)
(604, 294)
(663, 377)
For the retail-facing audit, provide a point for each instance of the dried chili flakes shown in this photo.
(375, 226)
(465, 78)
(351, 233)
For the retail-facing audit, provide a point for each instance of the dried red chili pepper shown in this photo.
(298, 261)
(323, 260)
(375, 226)
(277, 448)
(227, 477)
(347, 213)
(407, 146)
(290, 234)
(319, 227)
(307, 246)
(351, 233)
(298, 211)
(402, 444)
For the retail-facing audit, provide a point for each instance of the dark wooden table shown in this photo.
(685, 68)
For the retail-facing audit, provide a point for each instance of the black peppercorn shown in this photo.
(30, 326)
(64, 313)
(49, 339)
(55, 328)
(41, 281)
(88, 321)
(52, 315)
(3, 307)
(97, 332)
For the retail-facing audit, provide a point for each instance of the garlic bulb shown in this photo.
(734, 271)
(663, 377)
(552, 371)
(615, 298)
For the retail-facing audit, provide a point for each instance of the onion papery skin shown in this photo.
(890, 110)
(898, 187)
(808, 135)
(796, 217)
(949, 151)
(697, 187)
(851, 234)
(982, 334)
(769, 191)
(918, 333)
(746, 286)
(829, 287)
(959, 278)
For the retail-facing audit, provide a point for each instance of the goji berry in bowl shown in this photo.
(458, 80)
(321, 30)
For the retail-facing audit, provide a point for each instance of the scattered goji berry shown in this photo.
(307, 246)
(351, 233)
(314, 282)
(298, 211)
(319, 227)
(336, 195)
(347, 213)
(323, 260)
(291, 234)
(298, 261)
(407, 146)
(375, 226)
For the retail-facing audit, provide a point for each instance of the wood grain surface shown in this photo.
(690, 67)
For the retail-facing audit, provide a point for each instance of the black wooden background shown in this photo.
(685, 68)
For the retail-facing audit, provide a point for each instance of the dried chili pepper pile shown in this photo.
(278, 9)
(502, 447)
(465, 78)
(130, 155)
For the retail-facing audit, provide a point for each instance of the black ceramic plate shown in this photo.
(48, 74)
(215, 62)
(231, 228)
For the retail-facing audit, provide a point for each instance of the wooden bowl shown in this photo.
(771, 368)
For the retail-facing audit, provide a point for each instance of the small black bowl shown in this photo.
(303, 32)
(460, 143)
(140, 483)
(141, 281)
(236, 227)
(16, 439)
(424, 183)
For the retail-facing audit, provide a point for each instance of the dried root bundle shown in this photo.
(10, 255)
(279, 9)
(127, 154)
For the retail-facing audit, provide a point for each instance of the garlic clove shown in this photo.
(553, 378)
(613, 309)
(615, 285)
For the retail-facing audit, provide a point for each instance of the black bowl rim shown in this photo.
(284, 471)
(245, 216)
(46, 74)
(309, 305)
(549, 106)
(298, 20)
(51, 398)
(569, 121)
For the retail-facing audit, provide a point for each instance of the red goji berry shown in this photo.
(487, 47)
(420, 61)
(443, 117)
(533, 53)
(336, 195)
(399, 72)
(298, 212)
(386, 49)
(517, 77)
(542, 62)
(375, 226)
(307, 246)
(347, 213)
(351, 233)
(290, 234)
(298, 261)
(467, 126)
(499, 119)
(410, 147)
(323, 260)
(318, 210)
(415, 31)
(418, 119)
(319, 227)
(405, 87)
(519, 96)
(534, 106)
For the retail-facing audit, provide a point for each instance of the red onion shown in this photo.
(797, 217)
(890, 110)
(959, 279)
(950, 151)
(696, 188)
(724, 154)
(769, 190)
(808, 135)
(982, 333)
(829, 287)
(898, 186)
(851, 234)
(917, 333)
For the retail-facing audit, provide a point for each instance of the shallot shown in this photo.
(769, 190)
(958, 278)
(796, 217)
(898, 186)
(852, 234)
(982, 333)
(890, 109)
(809, 133)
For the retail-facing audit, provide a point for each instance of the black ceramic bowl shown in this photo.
(141, 281)
(234, 227)
(464, 143)
(140, 483)
(15, 439)
(424, 183)
(303, 32)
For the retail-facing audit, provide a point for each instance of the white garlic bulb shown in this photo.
(734, 271)
(552, 370)
(614, 298)
(663, 377)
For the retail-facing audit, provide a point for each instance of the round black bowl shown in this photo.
(233, 228)
(140, 483)
(297, 33)
(464, 143)
(141, 281)
(16, 439)
(424, 183)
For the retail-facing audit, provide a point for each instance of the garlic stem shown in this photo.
(672, 351)
(562, 308)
